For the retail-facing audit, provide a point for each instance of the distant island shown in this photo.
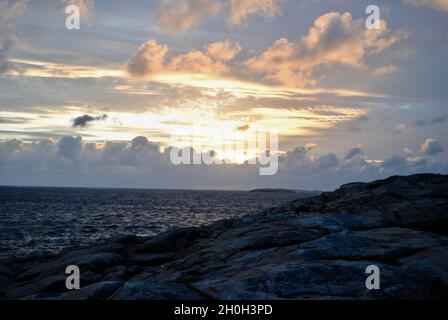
(300, 193)
(311, 193)
(273, 190)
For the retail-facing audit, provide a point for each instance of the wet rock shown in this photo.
(172, 240)
(386, 244)
(90, 262)
(97, 291)
(97, 261)
(431, 263)
(297, 280)
(5, 281)
(417, 201)
(150, 259)
(48, 286)
(269, 233)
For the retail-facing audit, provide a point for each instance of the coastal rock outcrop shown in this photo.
(313, 248)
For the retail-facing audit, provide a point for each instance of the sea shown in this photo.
(40, 221)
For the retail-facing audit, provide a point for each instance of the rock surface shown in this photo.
(314, 248)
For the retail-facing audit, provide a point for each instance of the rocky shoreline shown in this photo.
(313, 248)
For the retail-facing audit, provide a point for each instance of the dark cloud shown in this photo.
(139, 142)
(395, 162)
(355, 125)
(435, 120)
(85, 120)
(354, 152)
(328, 161)
(431, 147)
(69, 147)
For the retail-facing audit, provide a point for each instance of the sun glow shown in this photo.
(214, 83)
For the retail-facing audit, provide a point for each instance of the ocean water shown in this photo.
(45, 220)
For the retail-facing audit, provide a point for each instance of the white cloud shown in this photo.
(386, 70)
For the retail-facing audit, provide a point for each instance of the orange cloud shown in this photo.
(241, 10)
(151, 58)
(185, 14)
(223, 51)
(178, 16)
(334, 39)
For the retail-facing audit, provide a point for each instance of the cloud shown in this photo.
(142, 163)
(395, 162)
(181, 15)
(197, 62)
(431, 147)
(434, 121)
(85, 120)
(434, 4)
(9, 147)
(223, 51)
(356, 125)
(212, 61)
(241, 10)
(151, 58)
(148, 60)
(69, 147)
(281, 62)
(386, 70)
(335, 39)
(184, 14)
(400, 128)
(9, 11)
(5, 46)
(439, 119)
(354, 152)
(13, 120)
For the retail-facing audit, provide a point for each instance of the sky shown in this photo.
(104, 105)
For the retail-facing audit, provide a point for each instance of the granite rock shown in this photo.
(313, 248)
